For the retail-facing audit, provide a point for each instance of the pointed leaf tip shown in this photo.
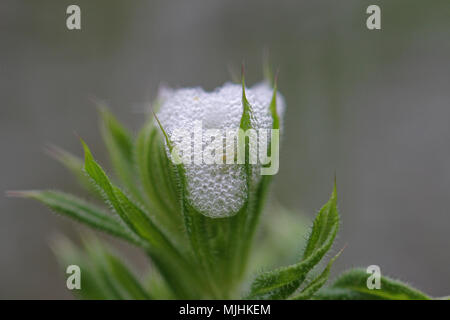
(314, 285)
(277, 283)
(166, 137)
(53, 151)
(275, 79)
(19, 194)
(243, 81)
(273, 107)
(87, 151)
(66, 158)
(334, 194)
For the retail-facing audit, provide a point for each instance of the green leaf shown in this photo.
(158, 177)
(131, 213)
(92, 286)
(75, 165)
(103, 276)
(325, 227)
(119, 144)
(279, 283)
(308, 291)
(176, 268)
(239, 237)
(155, 284)
(273, 106)
(124, 280)
(245, 122)
(79, 210)
(263, 187)
(196, 225)
(102, 182)
(353, 285)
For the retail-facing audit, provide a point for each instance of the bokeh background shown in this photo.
(371, 106)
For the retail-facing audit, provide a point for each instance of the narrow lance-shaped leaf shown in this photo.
(75, 165)
(119, 144)
(324, 228)
(126, 278)
(121, 278)
(101, 181)
(155, 284)
(131, 213)
(353, 285)
(273, 106)
(168, 168)
(259, 195)
(156, 174)
(281, 282)
(73, 207)
(244, 125)
(317, 283)
(238, 237)
(168, 258)
(265, 179)
(100, 270)
(193, 220)
(92, 285)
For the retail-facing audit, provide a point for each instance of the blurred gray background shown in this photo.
(372, 106)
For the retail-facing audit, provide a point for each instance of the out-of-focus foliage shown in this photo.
(193, 256)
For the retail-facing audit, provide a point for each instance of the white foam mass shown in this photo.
(216, 190)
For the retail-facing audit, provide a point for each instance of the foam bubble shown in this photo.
(216, 190)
